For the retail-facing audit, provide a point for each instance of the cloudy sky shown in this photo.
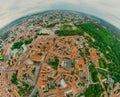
(108, 10)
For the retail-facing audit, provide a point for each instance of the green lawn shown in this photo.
(54, 63)
(17, 45)
(1, 58)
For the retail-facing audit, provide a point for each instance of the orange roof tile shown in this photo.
(74, 87)
(81, 62)
(94, 57)
(36, 58)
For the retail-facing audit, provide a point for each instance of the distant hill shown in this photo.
(112, 28)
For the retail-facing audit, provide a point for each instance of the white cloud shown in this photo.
(13, 9)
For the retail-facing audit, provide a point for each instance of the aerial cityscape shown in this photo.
(59, 53)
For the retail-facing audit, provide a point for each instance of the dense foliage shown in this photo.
(25, 90)
(2, 58)
(107, 44)
(54, 63)
(93, 73)
(102, 63)
(93, 91)
(14, 78)
(68, 32)
(17, 45)
(28, 41)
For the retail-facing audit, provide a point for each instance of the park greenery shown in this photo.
(28, 41)
(50, 78)
(26, 89)
(2, 58)
(17, 45)
(66, 30)
(14, 77)
(93, 73)
(104, 42)
(54, 63)
(102, 63)
(33, 70)
(93, 91)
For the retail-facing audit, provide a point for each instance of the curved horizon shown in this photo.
(36, 13)
(12, 10)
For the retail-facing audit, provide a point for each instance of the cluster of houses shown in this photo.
(57, 65)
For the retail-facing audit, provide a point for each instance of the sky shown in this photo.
(108, 10)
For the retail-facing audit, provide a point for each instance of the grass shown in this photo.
(17, 45)
(1, 58)
(54, 63)
(51, 87)
(28, 41)
(50, 78)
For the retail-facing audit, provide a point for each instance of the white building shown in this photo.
(45, 31)
(63, 83)
(24, 48)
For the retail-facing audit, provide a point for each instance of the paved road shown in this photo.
(103, 69)
(39, 72)
(34, 91)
